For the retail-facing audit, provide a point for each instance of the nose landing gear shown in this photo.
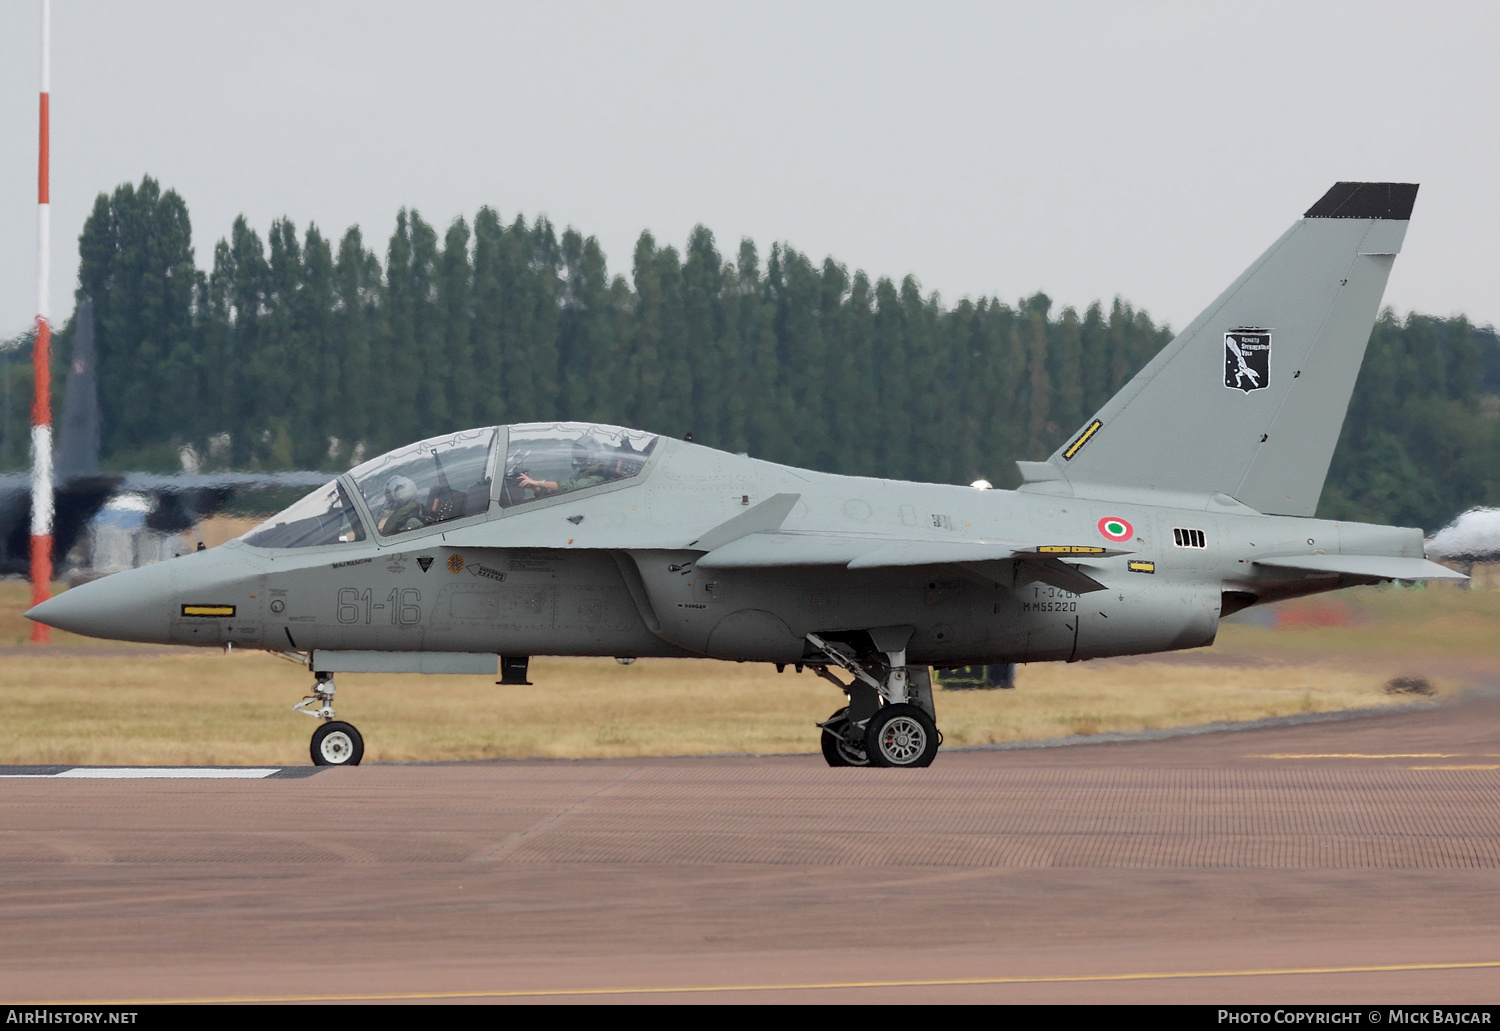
(335, 743)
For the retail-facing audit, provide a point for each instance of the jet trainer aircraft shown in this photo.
(1190, 495)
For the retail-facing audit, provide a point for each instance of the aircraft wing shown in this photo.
(766, 550)
(791, 548)
(763, 550)
(1370, 567)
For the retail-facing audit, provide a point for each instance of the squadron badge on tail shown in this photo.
(1247, 359)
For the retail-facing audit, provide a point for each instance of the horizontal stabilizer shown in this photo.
(1371, 567)
(1065, 577)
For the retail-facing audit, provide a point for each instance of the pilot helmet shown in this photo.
(586, 452)
(399, 490)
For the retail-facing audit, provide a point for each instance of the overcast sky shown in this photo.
(1149, 150)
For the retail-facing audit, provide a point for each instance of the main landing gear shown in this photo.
(889, 720)
(335, 743)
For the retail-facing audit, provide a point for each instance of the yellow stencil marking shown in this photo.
(208, 610)
(1083, 438)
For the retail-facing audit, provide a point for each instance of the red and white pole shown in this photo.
(41, 362)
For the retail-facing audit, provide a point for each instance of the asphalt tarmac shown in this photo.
(1354, 860)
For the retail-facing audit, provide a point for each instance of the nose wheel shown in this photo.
(335, 743)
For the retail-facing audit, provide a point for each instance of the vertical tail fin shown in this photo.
(1249, 399)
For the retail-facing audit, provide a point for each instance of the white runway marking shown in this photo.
(175, 772)
(151, 773)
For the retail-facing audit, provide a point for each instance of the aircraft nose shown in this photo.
(134, 605)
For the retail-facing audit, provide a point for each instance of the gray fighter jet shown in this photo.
(1187, 497)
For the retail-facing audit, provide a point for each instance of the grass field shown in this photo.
(86, 701)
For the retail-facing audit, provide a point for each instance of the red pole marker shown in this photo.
(41, 363)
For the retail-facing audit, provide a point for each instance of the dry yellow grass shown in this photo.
(215, 530)
(208, 708)
(108, 703)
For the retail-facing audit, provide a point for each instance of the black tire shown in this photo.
(901, 736)
(337, 744)
(836, 749)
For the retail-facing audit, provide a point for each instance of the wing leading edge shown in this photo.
(998, 561)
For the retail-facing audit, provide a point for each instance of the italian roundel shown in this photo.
(1114, 529)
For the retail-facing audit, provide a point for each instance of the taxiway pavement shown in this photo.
(1355, 860)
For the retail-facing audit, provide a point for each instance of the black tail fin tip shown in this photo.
(1392, 201)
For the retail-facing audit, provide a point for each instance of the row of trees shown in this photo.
(302, 351)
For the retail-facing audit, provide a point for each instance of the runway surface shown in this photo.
(1353, 861)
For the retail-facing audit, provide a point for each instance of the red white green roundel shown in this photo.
(1116, 530)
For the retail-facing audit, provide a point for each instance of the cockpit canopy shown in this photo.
(547, 458)
(433, 481)
(452, 477)
(326, 516)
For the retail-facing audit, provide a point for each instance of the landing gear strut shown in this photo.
(335, 743)
(889, 720)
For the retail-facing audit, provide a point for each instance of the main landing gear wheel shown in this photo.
(901, 735)
(837, 748)
(337, 744)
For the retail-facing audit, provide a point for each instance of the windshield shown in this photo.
(326, 516)
(553, 458)
(437, 480)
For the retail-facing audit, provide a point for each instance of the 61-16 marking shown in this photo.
(405, 606)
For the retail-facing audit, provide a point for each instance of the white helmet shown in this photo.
(399, 490)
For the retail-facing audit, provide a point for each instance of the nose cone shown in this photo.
(135, 605)
(187, 600)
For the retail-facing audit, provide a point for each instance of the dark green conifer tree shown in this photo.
(357, 278)
(1094, 373)
(1039, 425)
(702, 334)
(1068, 372)
(395, 351)
(136, 262)
(490, 371)
(455, 322)
(588, 355)
(320, 402)
(249, 283)
(427, 362)
(645, 373)
(891, 434)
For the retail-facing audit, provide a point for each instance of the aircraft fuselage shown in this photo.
(533, 581)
